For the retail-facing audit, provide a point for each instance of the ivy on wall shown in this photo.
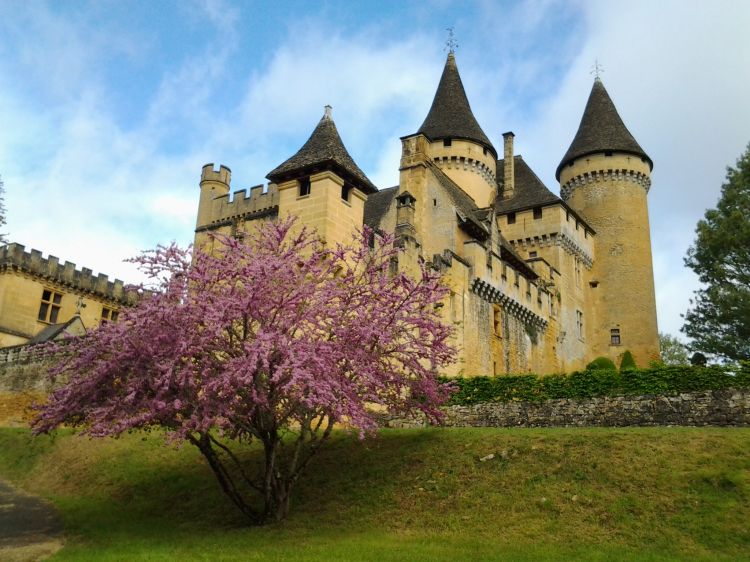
(664, 380)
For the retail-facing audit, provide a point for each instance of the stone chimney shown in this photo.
(509, 175)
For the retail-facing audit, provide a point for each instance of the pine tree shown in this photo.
(718, 320)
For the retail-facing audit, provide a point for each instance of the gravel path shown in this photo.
(29, 527)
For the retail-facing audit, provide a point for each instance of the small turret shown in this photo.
(214, 183)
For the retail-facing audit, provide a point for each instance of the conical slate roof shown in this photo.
(324, 150)
(450, 116)
(601, 130)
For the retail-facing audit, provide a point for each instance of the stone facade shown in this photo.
(726, 407)
(38, 293)
(538, 282)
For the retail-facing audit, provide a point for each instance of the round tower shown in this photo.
(458, 144)
(605, 176)
(214, 183)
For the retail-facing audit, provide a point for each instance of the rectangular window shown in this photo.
(515, 280)
(537, 213)
(345, 189)
(49, 309)
(447, 142)
(532, 254)
(511, 218)
(579, 324)
(304, 187)
(109, 315)
(578, 271)
(505, 272)
(614, 336)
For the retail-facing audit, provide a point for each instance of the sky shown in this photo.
(109, 109)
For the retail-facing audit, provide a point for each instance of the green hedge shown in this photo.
(598, 382)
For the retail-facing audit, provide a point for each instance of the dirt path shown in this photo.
(29, 527)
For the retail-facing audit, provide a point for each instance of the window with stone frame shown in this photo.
(511, 218)
(614, 336)
(497, 321)
(578, 271)
(345, 190)
(537, 213)
(49, 309)
(109, 315)
(579, 324)
(304, 187)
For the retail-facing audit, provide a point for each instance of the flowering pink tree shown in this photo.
(274, 339)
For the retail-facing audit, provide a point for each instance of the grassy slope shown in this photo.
(549, 494)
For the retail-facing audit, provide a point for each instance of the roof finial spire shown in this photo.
(451, 44)
(327, 109)
(596, 69)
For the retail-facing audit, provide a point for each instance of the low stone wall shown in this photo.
(21, 385)
(726, 407)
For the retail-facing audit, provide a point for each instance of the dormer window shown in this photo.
(447, 142)
(345, 189)
(304, 187)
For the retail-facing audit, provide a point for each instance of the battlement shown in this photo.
(257, 201)
(222, 175)
(14, 256)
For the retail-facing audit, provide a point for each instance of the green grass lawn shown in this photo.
(549, 494)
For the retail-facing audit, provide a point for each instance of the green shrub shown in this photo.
(664, 379)
(627, 362)
(602, 363)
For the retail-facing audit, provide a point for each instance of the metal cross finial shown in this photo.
(451, 44)
(80, 305)
(596, 69)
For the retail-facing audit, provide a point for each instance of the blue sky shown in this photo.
(109, 109)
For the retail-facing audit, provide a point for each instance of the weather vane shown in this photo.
(451, 44)
(596, 69)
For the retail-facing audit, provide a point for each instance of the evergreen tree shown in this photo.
(718, 320)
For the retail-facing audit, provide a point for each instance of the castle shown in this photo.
(538, 283)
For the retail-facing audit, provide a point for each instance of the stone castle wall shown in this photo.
(726, 407)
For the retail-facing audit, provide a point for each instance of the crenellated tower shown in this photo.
(458, 144)
(605, 176)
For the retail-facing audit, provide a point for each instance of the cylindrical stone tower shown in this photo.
(605, 175)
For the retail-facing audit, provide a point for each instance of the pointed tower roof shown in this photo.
(601, 130)
(324, 150)
(450, 116)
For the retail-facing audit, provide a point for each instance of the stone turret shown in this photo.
(214, 183)
(323, 186)
(605, 176)
(458, 144)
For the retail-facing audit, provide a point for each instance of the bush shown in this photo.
(601, 363)
(627, 362)
(665, 379)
